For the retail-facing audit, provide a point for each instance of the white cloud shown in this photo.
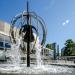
(66, 22)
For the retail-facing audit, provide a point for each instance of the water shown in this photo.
(38, 54)
(14, 53)
(16, 68)
(47, 69)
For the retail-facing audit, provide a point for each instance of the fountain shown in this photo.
(25, 37)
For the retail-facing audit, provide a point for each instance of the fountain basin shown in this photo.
(9, 69)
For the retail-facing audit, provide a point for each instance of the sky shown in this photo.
(59, 16)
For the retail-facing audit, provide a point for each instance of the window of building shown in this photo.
(7, 45)
(1, 44)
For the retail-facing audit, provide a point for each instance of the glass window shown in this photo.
(7, 45)
(7, 39)
(1, 44)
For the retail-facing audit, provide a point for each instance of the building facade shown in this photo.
(4, 39)
(5, 44)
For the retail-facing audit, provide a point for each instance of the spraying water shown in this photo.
(14, 53)
(16, 67)
(38, 53)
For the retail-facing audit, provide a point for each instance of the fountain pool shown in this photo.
(9, 69)
(16, 68)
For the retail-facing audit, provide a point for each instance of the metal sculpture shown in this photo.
(28, 23)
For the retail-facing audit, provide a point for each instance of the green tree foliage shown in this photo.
(69, 48)
(48, 46)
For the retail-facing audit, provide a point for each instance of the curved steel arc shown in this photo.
(33, 15)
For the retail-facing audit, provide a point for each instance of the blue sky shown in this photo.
(59, 16)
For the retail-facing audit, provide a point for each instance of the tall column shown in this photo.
(28, 40)
(54, 48)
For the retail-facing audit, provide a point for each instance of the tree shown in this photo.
(48, 46)
(69, 48)
(51, 46)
